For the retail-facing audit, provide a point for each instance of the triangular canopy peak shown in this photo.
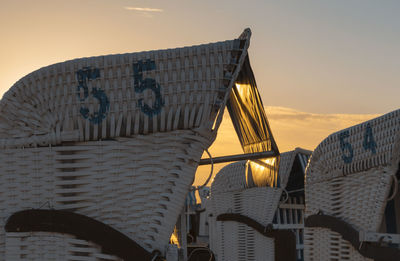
(251, 125)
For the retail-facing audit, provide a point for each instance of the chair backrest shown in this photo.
(349, 178)
(371, 144)
(233, 193)
(290, 213)
(122, 95)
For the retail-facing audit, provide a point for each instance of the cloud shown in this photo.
(282, 113)
(292, 128)
(144, 9)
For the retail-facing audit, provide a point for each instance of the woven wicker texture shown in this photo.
(240, 175)
(52, 247)
(117, 138)
(230, 194)
(121, 95)
(237, 241)
(285, 167)
(349, 176)
(138, 192)
(290, 214)
(362, 147)
(230, 178)
(286, 164)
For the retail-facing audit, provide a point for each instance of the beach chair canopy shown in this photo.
(248, 116)
(247, 112)
(292, 169)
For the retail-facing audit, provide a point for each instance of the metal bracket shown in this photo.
(247, 156)
(368, 236)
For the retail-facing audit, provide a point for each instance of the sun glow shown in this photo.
(262, 164)
(243, 89)
(262, 172)
(174, 238)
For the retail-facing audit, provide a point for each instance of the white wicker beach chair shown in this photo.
(241, 217)
(52, 246)
(290, 212)
(113, 142)
(348, 185)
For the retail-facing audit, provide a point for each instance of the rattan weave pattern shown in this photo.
(237, 241)
(52, 247)
(328, 158)
(286, 164)
(106, 97)
(232, 193)
(356, 191)
(117, 138)
(136, 191)
(230, 178)
(290, 213)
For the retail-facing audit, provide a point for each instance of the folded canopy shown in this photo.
(251, 124)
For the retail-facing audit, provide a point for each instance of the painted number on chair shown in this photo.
(369, 141)
(347, 149)
(85, 76)
(141, 85)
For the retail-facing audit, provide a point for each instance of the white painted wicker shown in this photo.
(236, 241)
(241, 175)
(117, 138)
(52, 247)
(290, 213)
(121, 95)
(135, 190)
(349, 177)
(286, 163)
(230, 178)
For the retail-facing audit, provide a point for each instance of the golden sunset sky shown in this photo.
(320, 66)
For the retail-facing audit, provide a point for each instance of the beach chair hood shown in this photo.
(118, 138)
(122, 95)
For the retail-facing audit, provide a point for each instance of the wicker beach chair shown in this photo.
(350, 180)
(290, 212)
(241, 217)
(99, 153)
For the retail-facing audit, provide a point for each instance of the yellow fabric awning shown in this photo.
(251, 124)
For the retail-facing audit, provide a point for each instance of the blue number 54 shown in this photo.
(346, 147)
(347, 150)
